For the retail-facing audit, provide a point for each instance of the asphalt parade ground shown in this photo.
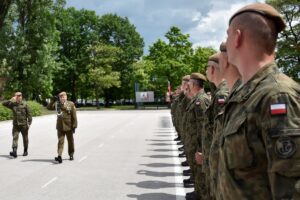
(118, 155)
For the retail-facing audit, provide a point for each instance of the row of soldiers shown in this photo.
(243, 143)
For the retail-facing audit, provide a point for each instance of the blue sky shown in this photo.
(204, 20)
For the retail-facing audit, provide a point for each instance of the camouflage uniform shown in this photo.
(195, 125)
(65, 125)
(22, 119)
(214, 147)
(182, 117)
(259, 158)
(216, 105)
(177, 113)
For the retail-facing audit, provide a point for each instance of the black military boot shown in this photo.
(181, 155)
(184, 164)
(181, 148)
(188, 182)
(177, 139)
(58, 159)
(13, 153)
(71, 157)
(25, 152)
(187, 172)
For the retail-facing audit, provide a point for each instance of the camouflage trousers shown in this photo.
(201, 188)
(191, 148)
(61, 139)
(15, 133)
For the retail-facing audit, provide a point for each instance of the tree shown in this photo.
(119, 32)
(4, 6)
(288, 45)
(100, 75)
(78, 30)
(171, 60)
(29, 41)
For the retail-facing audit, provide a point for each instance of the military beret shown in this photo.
(264, 10)
(223, 47)
(18, 94)
(214, 58)
(186, 78)
(62, 94)
(197, 76)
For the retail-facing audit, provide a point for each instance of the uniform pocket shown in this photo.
(235, 144)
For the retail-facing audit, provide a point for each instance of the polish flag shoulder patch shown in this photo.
(278, 109)
(221, 101)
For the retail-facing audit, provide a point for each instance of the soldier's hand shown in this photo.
(73, 130)
(198, 158)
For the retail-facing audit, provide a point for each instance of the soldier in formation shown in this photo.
(248, 145)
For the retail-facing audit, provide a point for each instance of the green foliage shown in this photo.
(171, 61)
(35, 107)
(100, 75)
(29, 41)
(119, 32)
(288, 45)
(5, 113)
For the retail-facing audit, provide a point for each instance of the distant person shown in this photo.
(22, 120)
(66, 123)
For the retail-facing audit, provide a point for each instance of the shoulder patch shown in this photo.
(278, 109)
(285, 147)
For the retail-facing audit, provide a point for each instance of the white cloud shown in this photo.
(211, 29)
(205, 21)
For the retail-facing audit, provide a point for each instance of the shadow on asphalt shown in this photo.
(6, 156)
(155, 196)
(159, 165)
(157, 174)
(155, 184)
(160, 156)
(162, 150)
(160, 144)
(41, 160)
(158, 140)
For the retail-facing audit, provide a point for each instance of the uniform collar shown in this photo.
(250, 86)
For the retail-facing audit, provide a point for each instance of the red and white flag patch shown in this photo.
(221, 101)
(278, 109)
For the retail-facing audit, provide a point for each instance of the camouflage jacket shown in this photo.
(214, 147)
(195, 115)
(66, 116)
(21, 112)
(259, 158)
(216, 105)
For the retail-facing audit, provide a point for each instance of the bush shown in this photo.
(35, 107)
(6, 113)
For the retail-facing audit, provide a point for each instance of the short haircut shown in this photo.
(262, 31)
(198, 82)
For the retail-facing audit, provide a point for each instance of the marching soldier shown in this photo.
(259, 154)
(65, 125)
(22, 120)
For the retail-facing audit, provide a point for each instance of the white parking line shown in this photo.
(180, 191)
(82, 159)
(49, 182)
